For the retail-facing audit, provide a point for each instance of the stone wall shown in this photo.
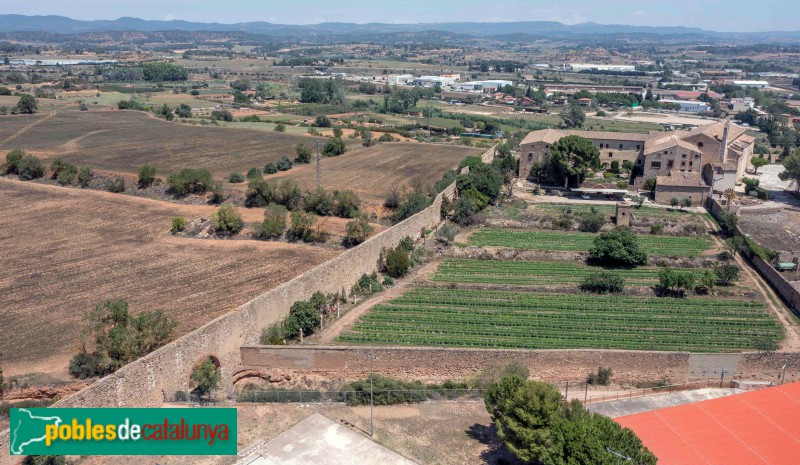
(145, 382)
(347, 363)
(790, 295)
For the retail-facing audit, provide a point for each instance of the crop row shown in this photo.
(468, 318)
(565, 241)
(641, 213)
(526, 272)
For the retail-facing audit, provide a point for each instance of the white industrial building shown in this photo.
(752, 84)
(481, 86)
(400, 79)
(433, 81)
(689, 106)
(588, 66)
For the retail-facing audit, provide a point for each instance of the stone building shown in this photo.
(681, 185)
(719, 153)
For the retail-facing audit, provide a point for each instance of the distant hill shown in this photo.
(64, 25)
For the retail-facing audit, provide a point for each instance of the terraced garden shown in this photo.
(497, 319)
(642, 213)
(508, 272)
(678, 246)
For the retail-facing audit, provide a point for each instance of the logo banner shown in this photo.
(123, 431)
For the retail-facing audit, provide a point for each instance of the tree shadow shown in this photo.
(496, 452)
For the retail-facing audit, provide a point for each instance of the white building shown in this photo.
(400, 79)
(752, 84)
(689, 106)
(588, 66)
(433, 81)
(481, 86)
(741, 104)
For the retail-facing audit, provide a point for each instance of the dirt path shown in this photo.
(22, 131)
(330, 333)
(791, 341)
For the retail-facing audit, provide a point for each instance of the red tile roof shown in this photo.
(755, 428)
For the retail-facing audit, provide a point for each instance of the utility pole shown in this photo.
(319, 169)
(722, 378)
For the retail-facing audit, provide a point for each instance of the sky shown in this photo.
(717, 15)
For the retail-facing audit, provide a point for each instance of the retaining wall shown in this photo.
(347, 363)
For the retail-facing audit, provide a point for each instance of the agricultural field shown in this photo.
(513, 272)
(68, 250)
(371, 172)
(124, 140)
(498, 319)
(671, 246)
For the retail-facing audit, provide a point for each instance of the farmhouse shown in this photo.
(717, 153)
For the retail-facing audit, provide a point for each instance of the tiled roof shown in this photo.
(680, 179)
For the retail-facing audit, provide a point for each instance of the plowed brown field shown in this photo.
(66, 250)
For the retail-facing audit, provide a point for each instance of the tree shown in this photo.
(302, 316)
(686, 202)
(791, 171)
(303, 154)
(397, 263)
(27, 104)
(147, 174)
(592, 223)
(726, 274)
(284, 163)
(206, 375)
(674, 202)
(235, 177)
(537, 427)
(270, 168)
(757, 163)
(274, 223)
(29, 167)
(618, 247)
(570, 158)
(85, 176)
(189, 181)
(222, 115)
(254, 173)
(357, 230)
(227, 220)
(280, 127)
(184, 111)
(573, 117)
(674, 282)
(727, 223)
(337, 133)
(650, 184)
(334, 147)
(346, 204)
(162, 71)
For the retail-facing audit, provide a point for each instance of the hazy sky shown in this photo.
(719, 15)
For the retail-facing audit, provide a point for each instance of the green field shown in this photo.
(467, 318)
(573, 241)
(508, 272)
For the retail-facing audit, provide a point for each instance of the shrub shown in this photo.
(274, 223)
(182, 396)
(406, 244)
(189, 181)
(322, 121)
(273, 335)
(650, 184)
(236, 178)
(87, 365)
(284, 164)
(727, 222)
(366, 284)
(227, 220)
(270, 168)
(178, 224)
(319, 202)
(446, 234)
(29, 167)
(217, 193)
(618, 247)
(346, 204)
(393, 198)
(592, 223)
(85, 176)
(147, 174)
(412, 203)
(303, 154)
(206, 375)
(656, 228)
(287, 193)
(727, 274)
(222, 115)
(675, 283)
(280, 127)
(397, 263)
(334, 148)
(302, 315)
(464, 211)
(386, 391)
(253, 173)
(603, 283)
(562, 223)
(302, 226)
(13, 159)
(622, 184)
(357, 230)
(686, 202)
(602, 377)
(116, 185)
(67, 174)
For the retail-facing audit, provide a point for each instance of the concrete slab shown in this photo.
(621, 408)
(320, 441)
